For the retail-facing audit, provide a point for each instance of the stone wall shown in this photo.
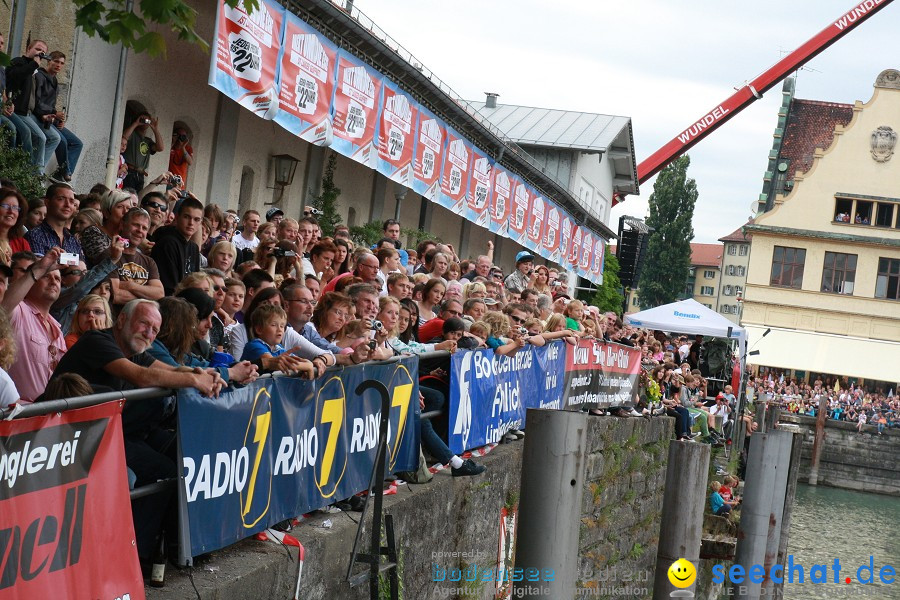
(454, 524)
(850, 460)
(621, 507)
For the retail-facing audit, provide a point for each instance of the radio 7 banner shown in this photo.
(519, 212)
(597, 260)
(397, 135)
(601, 373)
(479, 189)
(551, 232)
(536, 221)
(431, 140)
(489, 394)
(282, 447)
(575, 246)
(65, 513)
(566, 229)
(308, 64)
(501, 198)
(356, 98)
(455, 173)
(245, 62)
(584, 255)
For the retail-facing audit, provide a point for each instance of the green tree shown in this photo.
(326, 201)
(112, 22)
(668, 259)
(15, 165)
(608, 296)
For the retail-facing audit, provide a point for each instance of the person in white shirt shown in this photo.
(247, 240)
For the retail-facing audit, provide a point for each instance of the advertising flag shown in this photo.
(565, 238)
(479, 188)
(551, 232)
(308, 63)
(536, 219)
(65, 513)
(584, 255)
(597, 259)
(519, 213)
(356, 107)
(397, 135)
(455, 173)
(501, 198)
(431, 143)
(575, 248)
(245, 62)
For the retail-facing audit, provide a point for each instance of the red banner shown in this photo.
(536, 219)
(432, 136)
(246, 58)
(397, 135)
(519, 211)
(584, 255)
(307, 82)
(479, 189)
(65, 513)
(597, 258)
(551, 232)
(455, 174)
(500, 200)
(575, 246)
(356, 109)
(601, 373)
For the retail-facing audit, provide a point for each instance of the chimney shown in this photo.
(491, 100)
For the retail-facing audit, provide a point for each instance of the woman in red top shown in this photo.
(13, 208)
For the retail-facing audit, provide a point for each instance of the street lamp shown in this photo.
(285, 167)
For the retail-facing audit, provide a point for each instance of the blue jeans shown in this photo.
(430, 440)
(43, 140)
(23, 134)
(68, 151)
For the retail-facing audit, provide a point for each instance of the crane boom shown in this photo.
(755, 89)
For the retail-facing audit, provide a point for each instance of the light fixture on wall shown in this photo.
(285, 166)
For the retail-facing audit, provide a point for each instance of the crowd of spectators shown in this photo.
(872, 411)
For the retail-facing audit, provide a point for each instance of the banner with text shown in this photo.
(282, 447)
(65, 514)
(397, 135)
(455, 173)
(519, 212)
(308, 64)
(431, 144)
(489, 394)
(245, 61)
(477, 197)
(601, 373)
(501, 200)
(356, 107)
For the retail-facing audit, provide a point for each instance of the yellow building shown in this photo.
(824, 270)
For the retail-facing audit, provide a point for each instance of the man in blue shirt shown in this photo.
(61, 207)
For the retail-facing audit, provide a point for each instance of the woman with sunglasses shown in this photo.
(13, 209)
(92, 313)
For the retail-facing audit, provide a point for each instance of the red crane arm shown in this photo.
(755, 89)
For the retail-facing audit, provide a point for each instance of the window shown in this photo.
(887, 284)
(634, 300)
(744, 249)
(839, 273)
(709, 274)
(732, 249)
(787, 267)
(725, 310)
(741, 271)
(726, 290)
(884, 217)
(707, 290)
(738, 290)
(842, 210)
(709, 306)
(863, 212)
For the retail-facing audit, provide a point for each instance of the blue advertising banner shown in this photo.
(282, 447)
(489, 394)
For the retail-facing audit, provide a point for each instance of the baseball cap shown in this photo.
(524, 256)
(489, 301)
(272, 212)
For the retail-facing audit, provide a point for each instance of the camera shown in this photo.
(182, 137)
(125, 242)
(530, 272)
(43, 56)
(377, 325)
(145, 120)
(311, 211)
(522, 331)
(282, 253)
(69, 259)
(176, 181)
(555, 283)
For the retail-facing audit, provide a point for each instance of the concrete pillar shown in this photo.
(553, 466)
(682, 524)
(376, 203)
(819, 442)
(793, 476)
(425, 215)
(218, 186)
(399, 195)
(759, 532)
(312, 174)
(465, 232)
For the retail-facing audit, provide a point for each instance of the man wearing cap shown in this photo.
(274, 215)
(523, 277)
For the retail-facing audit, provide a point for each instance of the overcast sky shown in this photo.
(662, 63)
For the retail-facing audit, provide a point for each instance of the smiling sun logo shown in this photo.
(682, 573)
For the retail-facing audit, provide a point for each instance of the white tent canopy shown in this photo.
(691, 317)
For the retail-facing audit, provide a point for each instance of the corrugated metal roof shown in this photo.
(556, 128)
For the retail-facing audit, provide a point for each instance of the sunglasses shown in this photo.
(156, 205)
(518, 320)
(75, 272)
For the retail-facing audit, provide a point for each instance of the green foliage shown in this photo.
(608, 296)
(326, 201)
(15, 165)
(112, 22)
(370, 233)
(668, 259)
